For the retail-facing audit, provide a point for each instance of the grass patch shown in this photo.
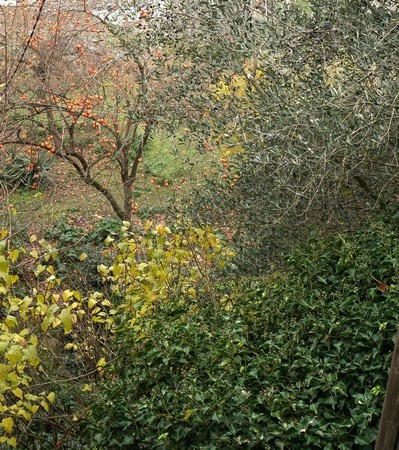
(169, 158)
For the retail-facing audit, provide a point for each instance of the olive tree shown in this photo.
(303, 102)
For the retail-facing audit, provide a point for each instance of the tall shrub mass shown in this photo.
(294, 360)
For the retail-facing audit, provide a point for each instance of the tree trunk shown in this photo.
(127, 200)
(388, 433)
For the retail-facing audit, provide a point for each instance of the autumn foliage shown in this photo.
(72, 95)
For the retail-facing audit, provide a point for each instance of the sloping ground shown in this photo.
(67, 197)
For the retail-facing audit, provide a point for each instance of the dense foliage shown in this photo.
(138, 335)
(296, 360)
(169, 355)
(147, 270)
(304, 110)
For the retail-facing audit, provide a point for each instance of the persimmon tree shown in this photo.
(80, 96)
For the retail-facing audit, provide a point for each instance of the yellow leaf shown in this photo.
(4, 346)
(87, 388)
(35, 408)
(24, 332)
(102, 270)
(67, 294)
(101, 363)
(66, 320)
(3, 246)
(91, 303)
(24, 413)
(82, 257)
(20, 340)
(108, 240)
(192, 292)
(12, 441)
(13, 256)
(97, 319)
(13, 279)
(212, 239)
(11, 321)
(51, 397)
(40, 268)
(31, 355)
(13, 379)
(18, 393)
(56, 322)
(71, 346)
(45, 405)
(34, 340)
(14, 354)
(33, 238)
(8, 424)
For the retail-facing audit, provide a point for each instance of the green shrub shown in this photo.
(27, 171)
(296, 360)
(37, 314)
(106, 227)
(80, 251)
